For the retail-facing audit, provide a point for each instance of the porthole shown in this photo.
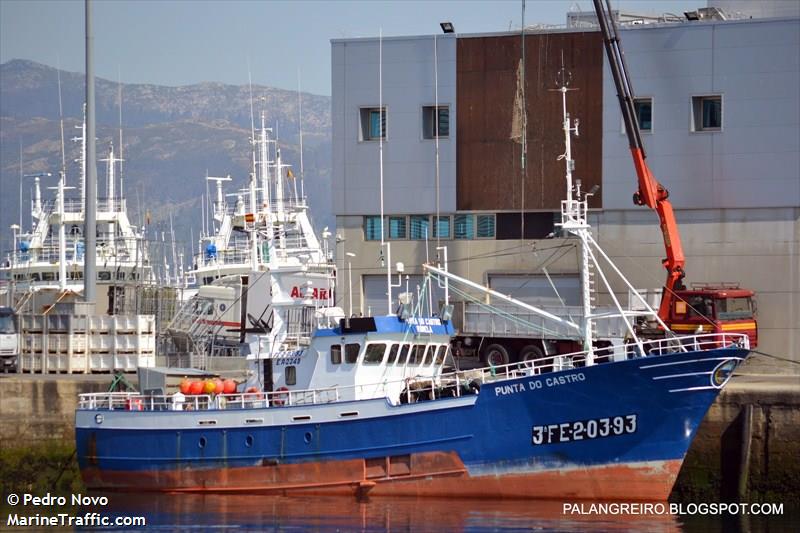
(307, 437)
(201, 443)
(248, 441)
(98, 418)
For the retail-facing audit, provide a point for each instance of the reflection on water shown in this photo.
(330, 513)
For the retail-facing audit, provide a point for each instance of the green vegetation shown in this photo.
(47, 467)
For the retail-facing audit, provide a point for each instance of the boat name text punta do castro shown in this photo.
(555, 381)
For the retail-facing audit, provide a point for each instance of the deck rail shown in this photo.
(417, 388)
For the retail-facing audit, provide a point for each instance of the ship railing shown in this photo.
(412, 389)
(114, 205)
(652, 348)
(49, 252)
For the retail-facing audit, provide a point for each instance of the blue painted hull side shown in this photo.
(493, 436)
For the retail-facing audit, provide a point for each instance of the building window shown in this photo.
(291, 375)
(372, 228)
(441, 227)
(397, 228)
(644, 113)
(373, 123)
(430, 114)
(419, 227)
(707, 113)
(463, 226)
(485, 225)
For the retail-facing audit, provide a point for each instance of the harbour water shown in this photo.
(192, 512)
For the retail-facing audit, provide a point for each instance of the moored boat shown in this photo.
(369, 405)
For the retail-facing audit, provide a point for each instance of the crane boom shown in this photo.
(651, 193)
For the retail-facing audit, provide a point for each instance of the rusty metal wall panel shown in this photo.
(489, 175)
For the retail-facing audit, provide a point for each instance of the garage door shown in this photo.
(375, 293)
(536, 289)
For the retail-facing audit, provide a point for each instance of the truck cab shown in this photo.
(9, 340)
(722, 308)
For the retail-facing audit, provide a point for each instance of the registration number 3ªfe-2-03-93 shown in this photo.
(593, 428)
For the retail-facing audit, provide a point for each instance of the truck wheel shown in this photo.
(495, 355)
(535, 353)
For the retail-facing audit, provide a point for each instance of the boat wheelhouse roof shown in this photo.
(389, 324)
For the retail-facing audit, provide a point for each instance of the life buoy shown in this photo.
(252, 393)
(280, 396)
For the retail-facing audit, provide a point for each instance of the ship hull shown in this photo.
(611, 431)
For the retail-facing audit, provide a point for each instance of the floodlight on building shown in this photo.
(447, 27)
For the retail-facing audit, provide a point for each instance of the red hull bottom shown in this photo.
(428, 474)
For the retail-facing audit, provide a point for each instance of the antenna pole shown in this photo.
(380, 160)
(90, 219)
(121, 158)
(20, 186)
(300, 127)
(436, 130)
(61, 122)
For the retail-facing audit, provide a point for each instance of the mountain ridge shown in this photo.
(172, 137)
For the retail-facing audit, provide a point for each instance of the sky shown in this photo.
(180, 42)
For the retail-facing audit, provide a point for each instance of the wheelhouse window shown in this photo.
(429, 355)
(392, 354)
(403, 357)
(707, 113)
(373, 123)
(435, 122)
(336, 354)
(374, 354)
(291, 375)
(351, 353)
(440, 354)
(417, 354)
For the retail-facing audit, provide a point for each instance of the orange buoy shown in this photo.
(208, 386)
(229, 386)
(185, 386)
(219, 386)
(196, 387)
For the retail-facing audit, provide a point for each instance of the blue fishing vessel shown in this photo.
(378, 405)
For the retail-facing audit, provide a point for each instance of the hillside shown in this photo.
(172, 137)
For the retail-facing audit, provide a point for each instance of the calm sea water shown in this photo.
(189, 512)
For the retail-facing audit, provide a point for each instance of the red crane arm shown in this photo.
(654, 195)
(651, 193)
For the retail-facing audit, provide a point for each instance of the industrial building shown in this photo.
(718, 100)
